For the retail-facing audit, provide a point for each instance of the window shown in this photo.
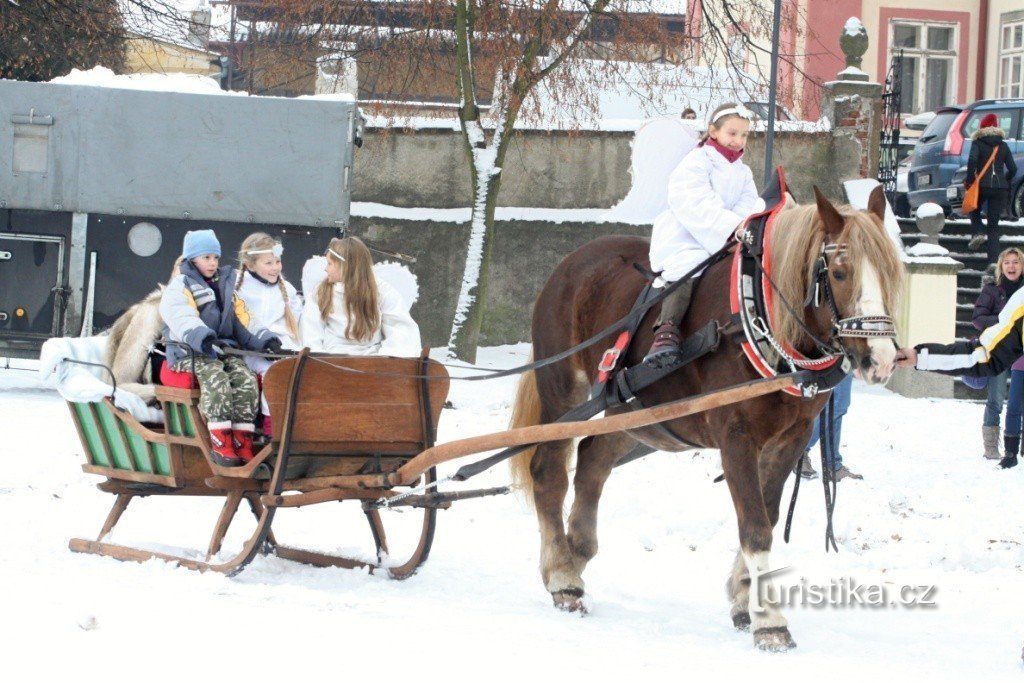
(1011, 60)
(1005, 117)
(929, 63)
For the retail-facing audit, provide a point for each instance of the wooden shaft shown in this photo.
(568, 430)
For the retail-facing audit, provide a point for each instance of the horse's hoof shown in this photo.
(570, 600)
(741, 620)
(774, 639)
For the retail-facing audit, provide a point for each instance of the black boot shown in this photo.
(667, 335)
(1011, 446)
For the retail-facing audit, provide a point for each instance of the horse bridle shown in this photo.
(855, 327)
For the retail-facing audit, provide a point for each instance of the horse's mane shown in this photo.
(796, 243)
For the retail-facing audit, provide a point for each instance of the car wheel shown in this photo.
(1017, 205)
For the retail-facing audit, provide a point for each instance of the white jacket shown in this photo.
(399, 335)
(266, 305)
(708, 197)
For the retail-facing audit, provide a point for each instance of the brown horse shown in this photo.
(760, 440)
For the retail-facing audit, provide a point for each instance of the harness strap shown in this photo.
(637, 378)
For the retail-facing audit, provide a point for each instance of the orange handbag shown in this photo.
(971, 193)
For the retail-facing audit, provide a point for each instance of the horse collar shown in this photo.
(751, 300)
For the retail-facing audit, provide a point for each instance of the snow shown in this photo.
(925, 249)
(853, 27)
(929, 209)
(103, 77)
(930, 511)
(502, 213)
(852, 71)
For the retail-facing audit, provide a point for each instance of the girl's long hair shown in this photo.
(362, 297)
(246, 262)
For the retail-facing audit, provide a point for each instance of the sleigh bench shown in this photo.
(350, 421)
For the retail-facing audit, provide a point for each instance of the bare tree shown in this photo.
(41, 39)
(503, 62)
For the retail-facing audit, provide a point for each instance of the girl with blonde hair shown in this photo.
(272, 300)
(353, 312)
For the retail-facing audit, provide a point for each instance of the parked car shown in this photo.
(760, 110)
(919, 121)
(1014, 209)
(946, 143)
(901, 202)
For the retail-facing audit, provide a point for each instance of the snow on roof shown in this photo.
(103, 77)
(170, 82)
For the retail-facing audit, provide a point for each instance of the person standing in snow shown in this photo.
(271, 299)
(1000, 345)
(710, 195)
(201, 312)
(992, 300)
(993, 186)
(355, 313)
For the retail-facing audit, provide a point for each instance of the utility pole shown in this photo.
(773, 87)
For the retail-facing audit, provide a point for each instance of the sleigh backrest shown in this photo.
(359, 405)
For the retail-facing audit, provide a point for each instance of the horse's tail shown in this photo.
(525, 413)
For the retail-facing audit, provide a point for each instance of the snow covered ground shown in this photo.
(930, 512)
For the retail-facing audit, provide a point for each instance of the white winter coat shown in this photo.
(708, 197)
(399, 335)
(266, 305)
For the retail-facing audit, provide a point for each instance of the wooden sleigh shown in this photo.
(363, 428)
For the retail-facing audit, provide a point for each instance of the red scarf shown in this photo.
(730, 155)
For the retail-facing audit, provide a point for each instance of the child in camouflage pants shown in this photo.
(201, 314)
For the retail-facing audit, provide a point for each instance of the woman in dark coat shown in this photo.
(994, 187)
(993, 297)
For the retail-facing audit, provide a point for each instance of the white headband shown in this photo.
(742, 113)
(336, 254)
(276, 250)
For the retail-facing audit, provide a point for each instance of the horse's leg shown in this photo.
(775, 464)
(549, 471)
(594, 462)
(737, 587)
(740, 462)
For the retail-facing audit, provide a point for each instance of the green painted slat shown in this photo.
(162, 457)
(173, 421)
(138, 447)
(97, 455)
(109, 425)
(186, 414)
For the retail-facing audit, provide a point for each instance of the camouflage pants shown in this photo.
(228, 390)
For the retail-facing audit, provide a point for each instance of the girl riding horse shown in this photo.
(760, 439)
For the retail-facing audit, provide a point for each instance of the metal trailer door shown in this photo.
(31, 285)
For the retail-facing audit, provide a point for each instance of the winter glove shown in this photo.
(207, 348)
(273, 345)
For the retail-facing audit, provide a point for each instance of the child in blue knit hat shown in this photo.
(202, 314)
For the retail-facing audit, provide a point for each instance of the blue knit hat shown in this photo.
(199, 243)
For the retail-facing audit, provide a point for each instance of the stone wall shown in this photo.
(561, 169)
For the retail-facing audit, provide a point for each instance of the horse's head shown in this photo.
(865, 278)
(844, 267)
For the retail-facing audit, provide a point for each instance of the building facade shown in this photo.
(953, 51)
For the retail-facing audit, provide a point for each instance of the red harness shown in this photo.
(753, 303)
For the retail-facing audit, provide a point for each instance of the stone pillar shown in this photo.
(927, 314)
(852, 103)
